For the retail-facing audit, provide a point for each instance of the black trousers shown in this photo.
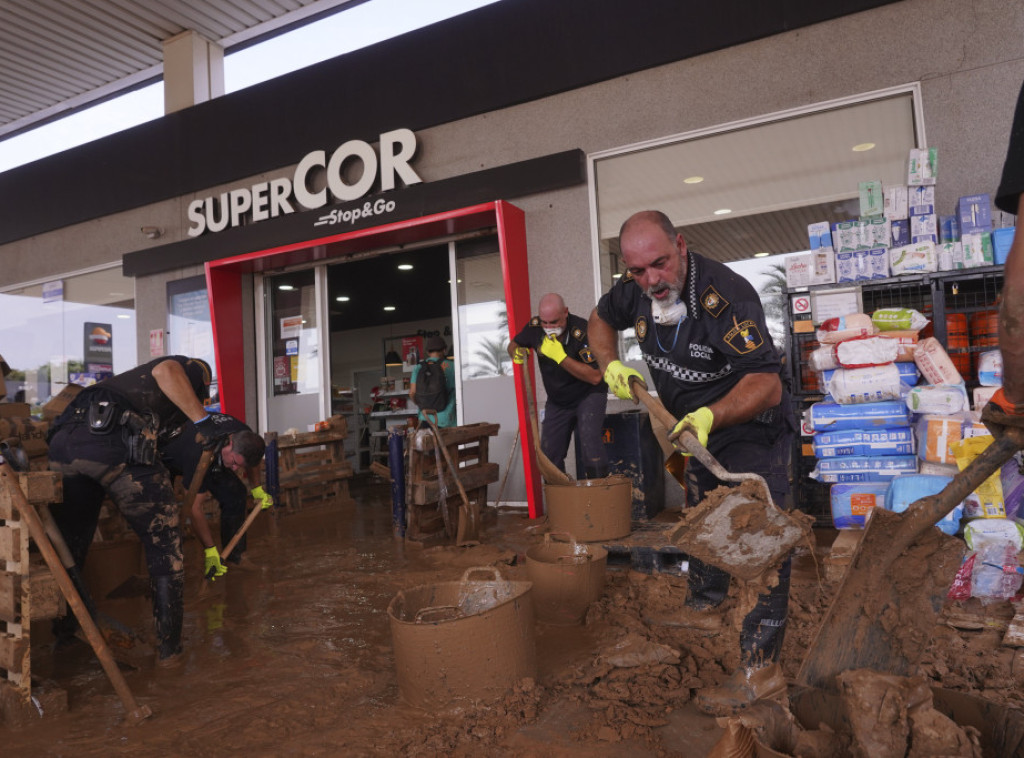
(764, 626)
(586, 418)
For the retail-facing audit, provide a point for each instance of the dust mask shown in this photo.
(667, 315)
(552, 331)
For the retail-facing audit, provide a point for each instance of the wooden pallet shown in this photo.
(468, 447)
(28, 591)
(312, 466)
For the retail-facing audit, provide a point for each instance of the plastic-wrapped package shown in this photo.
(898, 319)
(935, 364)
(994, 531)
(908, 375)
(936, 436)
(905, 490)
(862, 352)
(866, 385)
(897, 440)
(906, 341)
(1011, 479)
(828, 417)
(868, 468)
(994, 576)
(986, 501)
(823, 358)
(940, 399)
(990, 368)
(845, 327)
(851, 503)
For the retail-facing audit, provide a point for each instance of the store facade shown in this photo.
(509, 140)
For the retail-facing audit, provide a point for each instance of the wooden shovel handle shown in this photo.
(241, 531)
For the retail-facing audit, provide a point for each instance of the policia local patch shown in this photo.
(744, 337)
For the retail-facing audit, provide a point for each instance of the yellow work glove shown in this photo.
(699, 422)
(212, 567)
(519, 355)
(261, 496)
(552, 348)
(617, 376)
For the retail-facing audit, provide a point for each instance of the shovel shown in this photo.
(468, 530)
(743, 533)
(885, 609)
(551, 473)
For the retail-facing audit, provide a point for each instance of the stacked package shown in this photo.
(862, 429)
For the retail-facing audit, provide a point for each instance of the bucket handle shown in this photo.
(445, 613)
(492, 570)
(576, 552)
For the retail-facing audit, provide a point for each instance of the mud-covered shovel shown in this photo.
(883, 615)
(742, 532)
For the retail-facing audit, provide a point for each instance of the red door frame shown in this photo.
(224, 285)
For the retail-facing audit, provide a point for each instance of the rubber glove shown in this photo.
(261, 496)
(617, 376)
(213, 427)
(519, 355)
(552, 348)
(699, 422)
(212, 567)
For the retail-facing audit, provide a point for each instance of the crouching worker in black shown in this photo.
(105, 444)
(238, 451)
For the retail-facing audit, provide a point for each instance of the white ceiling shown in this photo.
(57, 55)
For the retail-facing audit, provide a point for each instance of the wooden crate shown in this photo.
(28, 591)
(312, 466)
(468, 447)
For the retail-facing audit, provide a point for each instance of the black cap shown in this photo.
(436, 344)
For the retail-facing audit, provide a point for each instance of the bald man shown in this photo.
(577, 394)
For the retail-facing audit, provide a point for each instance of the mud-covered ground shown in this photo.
(293, 657)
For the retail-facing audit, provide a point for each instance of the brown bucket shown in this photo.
(567, 577)
(592, 509)
(462, 640)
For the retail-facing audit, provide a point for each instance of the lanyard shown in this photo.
(675, 338)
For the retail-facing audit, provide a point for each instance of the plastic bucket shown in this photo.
(957, 342)
(591, 509)
(462, 640)
(567, 578)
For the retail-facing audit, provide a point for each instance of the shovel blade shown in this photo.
(741, 535)
(883, 619)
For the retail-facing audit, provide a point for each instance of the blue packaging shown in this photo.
(863, 468)
(905, 490)
(833, 417)
(974, 214)
(899, 232)
(885, 441)
(1002, 239)
(949, 229)
(909, 374)
(852, 502)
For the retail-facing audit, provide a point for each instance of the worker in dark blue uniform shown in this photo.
(702, 331)
(577, 395)
(105, 444)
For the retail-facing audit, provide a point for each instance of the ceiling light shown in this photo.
(616, 276)
(124, 315)
(761, 255)
(342, 298)
(693, 180)
(285, 287)
(405, 267)
(723, 211)
(863, 147)
(392, 359)
(389, 307)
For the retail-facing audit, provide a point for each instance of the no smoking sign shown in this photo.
(801, 304)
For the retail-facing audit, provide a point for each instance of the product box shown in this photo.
(974, 214)
(895, 203)
(878, 263)
(871, 201)
(977, 249)
(798, 270)
(846, 237)
(936, 436)
(949, 229)
(1002, 239)
(922, 166)
(899, 232)
(921, 200)
(846, 266)
(885, 441)
(950, 256)
(823, 266)
(820, 235)
(913, 259)
(924, 228)
(874, 233)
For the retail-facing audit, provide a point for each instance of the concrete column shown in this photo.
(193, 71)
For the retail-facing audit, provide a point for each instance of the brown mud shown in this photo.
(294, 658)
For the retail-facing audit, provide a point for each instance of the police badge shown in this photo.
(641, 329)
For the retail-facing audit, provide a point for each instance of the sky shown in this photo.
(363, 25)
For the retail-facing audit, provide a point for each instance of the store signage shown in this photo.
(282, 196)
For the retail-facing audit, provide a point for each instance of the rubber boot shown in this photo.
(168, 613)
(746, 686)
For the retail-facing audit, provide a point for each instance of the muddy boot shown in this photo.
(168, 613)
(746, 686)
(707, 620)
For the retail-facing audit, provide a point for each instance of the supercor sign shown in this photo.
(269, 199)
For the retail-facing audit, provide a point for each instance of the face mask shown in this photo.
(667, 315)
(552, 331)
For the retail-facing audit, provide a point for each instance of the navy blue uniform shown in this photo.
(571, 404)
(695, 363)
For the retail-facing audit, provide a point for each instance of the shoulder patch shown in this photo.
(535, 321)
(586, 356)
(713, 302)
(577, 334)
(641, 329)
(744, 338)
(627, 276)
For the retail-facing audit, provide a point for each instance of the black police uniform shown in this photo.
(571, 403)
(1012, 183)
(694, 363)
(104, 443)
(180, 451)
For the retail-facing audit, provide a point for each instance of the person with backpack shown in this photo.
(577, 395)
(432, 386)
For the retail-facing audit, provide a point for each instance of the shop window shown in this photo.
(79, 328)
(294, 337)
(189, 327)
(483, 317)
